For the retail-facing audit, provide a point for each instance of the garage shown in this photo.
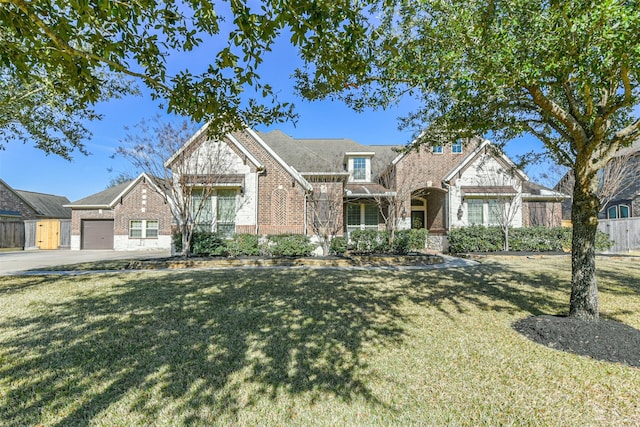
(97, 234)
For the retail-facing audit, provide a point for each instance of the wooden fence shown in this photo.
(625, 232)
(11, 234)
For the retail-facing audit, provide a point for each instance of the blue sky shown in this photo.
(26, 168)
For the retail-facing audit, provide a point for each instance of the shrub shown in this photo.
(526, 239)
(338, 246)
(288, 245)
(366, 242)
(243, 245)
(411, 240)
(208, 244)
(475, 239)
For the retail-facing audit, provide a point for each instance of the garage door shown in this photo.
(97, 234)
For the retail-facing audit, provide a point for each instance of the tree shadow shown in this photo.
(196, 338)
(190, 336)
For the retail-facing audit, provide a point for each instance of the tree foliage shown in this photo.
(67, 45)
(566, 72)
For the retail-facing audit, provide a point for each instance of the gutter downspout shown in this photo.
(447, 205)
(257, 199)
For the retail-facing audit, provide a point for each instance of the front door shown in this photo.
(417, 219)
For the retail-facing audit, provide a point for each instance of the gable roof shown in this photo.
(325, 155)
(108, 198)
(469, 158)
(43, 204)
(46, 205)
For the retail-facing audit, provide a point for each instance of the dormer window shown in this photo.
(359, 166)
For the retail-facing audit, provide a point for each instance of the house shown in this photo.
(273, 183)
(270, 183)
(134, 215)
(43, 219)
(620, 186)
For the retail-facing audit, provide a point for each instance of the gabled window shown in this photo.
(201, 207)
(436, 149)
(226, 212)
(359, 168)
(475, 211)
(456, 147)
(359, 165)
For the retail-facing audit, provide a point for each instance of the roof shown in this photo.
(531, 190)
(108, 198)
(325, 155)
(367, 190)
(46, 205)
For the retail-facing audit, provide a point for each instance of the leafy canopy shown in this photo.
(71, 47)
(566, 72)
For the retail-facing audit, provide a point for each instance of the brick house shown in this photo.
(275, 182)
(131, 216)
(270, 183)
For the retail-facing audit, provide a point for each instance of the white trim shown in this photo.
(290, 169)
(469, 158)
(246, 152)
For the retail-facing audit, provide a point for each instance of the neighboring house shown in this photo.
(44, 218)
(623, 184)
(130, 216)
(273, 178)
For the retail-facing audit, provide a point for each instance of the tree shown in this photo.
(188, 175)
(565, 72)
(325, 207)
(33, 111)
(67, 45)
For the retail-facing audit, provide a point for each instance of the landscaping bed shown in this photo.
(344, 261)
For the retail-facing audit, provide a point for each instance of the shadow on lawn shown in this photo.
(194, 339)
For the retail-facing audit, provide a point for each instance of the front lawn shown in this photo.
(309, 347)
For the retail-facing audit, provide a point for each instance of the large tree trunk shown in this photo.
(584, 216)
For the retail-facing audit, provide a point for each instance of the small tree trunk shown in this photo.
(186, 240)
(584, 290)
(506, 239)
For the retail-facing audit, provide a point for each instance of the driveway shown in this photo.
(16, 262)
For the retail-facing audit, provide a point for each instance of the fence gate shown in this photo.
(48, 234)
(625, 232)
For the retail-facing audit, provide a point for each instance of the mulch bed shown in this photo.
(605, 340)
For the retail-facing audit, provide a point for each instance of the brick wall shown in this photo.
(278, 193)
(142, 203)
(424, 169)
(9, 201)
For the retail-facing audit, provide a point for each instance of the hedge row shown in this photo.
(212, 244)
(527, 239)
(365, 242)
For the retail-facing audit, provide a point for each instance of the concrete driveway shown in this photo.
(17, 262)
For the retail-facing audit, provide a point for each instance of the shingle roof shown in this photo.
(46, 205)
(325, 155)
(103, 198)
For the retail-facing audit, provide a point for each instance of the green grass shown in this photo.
(308, 347)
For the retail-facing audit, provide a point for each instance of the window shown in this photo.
(618, 211)
(359, 168)
(201, 209)
(456, 147)
(143, 229)
(494, 212)
(436, 149)
(226, 212)
(362, 217)
(475, 208)
(624, 211)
